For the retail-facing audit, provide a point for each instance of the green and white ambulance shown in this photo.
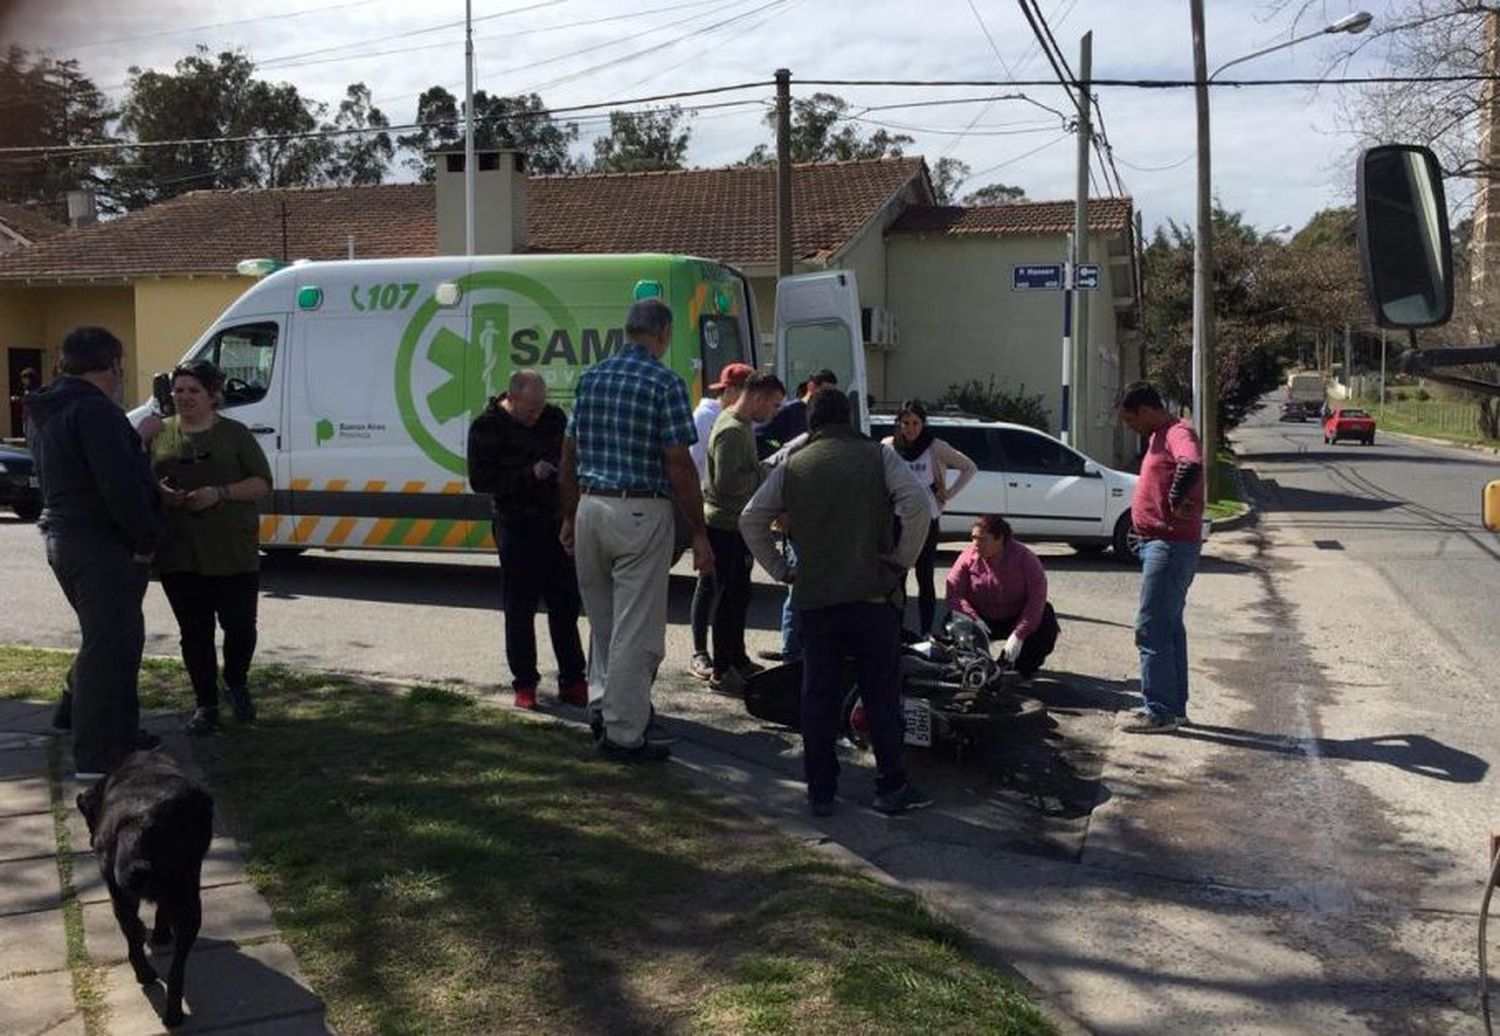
(360, 378)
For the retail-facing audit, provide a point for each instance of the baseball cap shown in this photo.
(733, 374)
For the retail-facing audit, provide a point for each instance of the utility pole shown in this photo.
(1082, 411)
(1065, 418)
(1205, 388)
(783, 172)
(1348, 363)
(469, 160)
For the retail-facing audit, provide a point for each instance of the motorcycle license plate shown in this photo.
(918, 721)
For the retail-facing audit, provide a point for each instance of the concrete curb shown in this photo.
(1246, 518)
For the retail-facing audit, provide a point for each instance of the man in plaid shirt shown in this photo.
(625, 462)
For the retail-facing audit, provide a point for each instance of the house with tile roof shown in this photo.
(159, 277)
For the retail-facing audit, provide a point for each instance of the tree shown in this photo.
(520, 122)
(818, 136)
(360, 158)
(45, 102)
(996, 194)
(947, 177)
(640, 142)
(204, 99)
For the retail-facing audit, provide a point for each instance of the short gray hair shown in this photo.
(647, 317)
(526, 378)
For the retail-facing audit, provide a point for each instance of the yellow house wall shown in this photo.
(22, 326)
(959, 320)
(171, 313)
(110, 306)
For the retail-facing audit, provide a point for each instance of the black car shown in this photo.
(18, 489)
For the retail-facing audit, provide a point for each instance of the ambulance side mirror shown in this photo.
(1404, 242)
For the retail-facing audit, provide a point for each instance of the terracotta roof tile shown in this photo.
(727, 214)
(1022, 219)
(31, 225)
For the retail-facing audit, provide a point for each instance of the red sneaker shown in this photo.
(526, 698)
(575, 693)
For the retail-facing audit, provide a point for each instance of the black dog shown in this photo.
(150, 827)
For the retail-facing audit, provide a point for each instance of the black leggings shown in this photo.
(199, 600)
(926, 595)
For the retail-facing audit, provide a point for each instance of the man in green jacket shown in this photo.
(734, 474)
(838, 493)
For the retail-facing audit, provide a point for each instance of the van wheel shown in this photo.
(1126, 542)
(280, 555)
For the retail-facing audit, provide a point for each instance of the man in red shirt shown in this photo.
(1167, 510)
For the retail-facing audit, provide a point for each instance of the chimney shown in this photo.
(1484, 281)
(499, 202)
(82, 212)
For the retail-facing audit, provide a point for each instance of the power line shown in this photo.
(1164, 84)
(1025, 154)
(218, 25)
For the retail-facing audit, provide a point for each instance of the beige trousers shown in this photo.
(623, 551)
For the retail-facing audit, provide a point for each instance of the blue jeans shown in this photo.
(1167, 569)
(791, 645)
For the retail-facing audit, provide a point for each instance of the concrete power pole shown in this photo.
(783, 172)
(1485, 259)
(1083, 410)
(1205, 373)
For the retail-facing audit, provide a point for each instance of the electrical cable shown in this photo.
(218, 25)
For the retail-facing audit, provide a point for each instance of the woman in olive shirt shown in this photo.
(211, 472)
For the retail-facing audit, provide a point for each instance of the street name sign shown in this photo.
(1043, 277)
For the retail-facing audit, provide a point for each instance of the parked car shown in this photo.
(1349, 423)
(1048, 491)
(18, 488)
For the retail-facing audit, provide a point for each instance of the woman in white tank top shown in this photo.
(930, 460)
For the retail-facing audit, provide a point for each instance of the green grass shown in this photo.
(1224, 491)
(442, 867)
(1433, 418)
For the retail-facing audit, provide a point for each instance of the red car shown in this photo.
(1349, 423)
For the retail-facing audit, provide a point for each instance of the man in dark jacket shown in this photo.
(101, 517)
(848, 587)
(515, 448)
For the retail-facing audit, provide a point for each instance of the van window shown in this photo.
(1037, 454)
(810, 347)
(719, 344)
(246, 354)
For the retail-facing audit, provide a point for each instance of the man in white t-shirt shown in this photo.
(723, 394)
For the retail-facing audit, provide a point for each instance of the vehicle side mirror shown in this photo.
(1404, 242)
(161, 391)
(1090, 468)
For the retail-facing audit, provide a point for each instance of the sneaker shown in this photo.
(658, 735)
(203, 721)
(575, 693)
(240, 703)
(701, 667)
(1147, 721)
(727, 682)
(526, 698)
(822, 807)
(62, 716)
(645, 752)
(88, 775)
(903, 800)
(596, 724)
(747, 668)
(145, 741)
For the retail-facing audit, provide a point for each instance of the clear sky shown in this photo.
(1279, 152)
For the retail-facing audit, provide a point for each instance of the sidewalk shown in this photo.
(241, 977)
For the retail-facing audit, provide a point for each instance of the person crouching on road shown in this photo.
(1000, 581)
(848, 586)
(930, 460)
(734, 474)
(515, 455)
(1167, 510)
(722, 394)
(211, 472)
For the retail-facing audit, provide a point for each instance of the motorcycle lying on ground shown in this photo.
(953, 692)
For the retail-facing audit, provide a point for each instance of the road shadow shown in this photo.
(1413, 753)
(428, 581)
(1319, 452)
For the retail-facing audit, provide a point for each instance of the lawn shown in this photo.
(440, 866)
(1455, 421)
(1224, 491)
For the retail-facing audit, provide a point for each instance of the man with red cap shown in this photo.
(722, 394)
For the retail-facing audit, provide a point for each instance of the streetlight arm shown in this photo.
(1258, 53)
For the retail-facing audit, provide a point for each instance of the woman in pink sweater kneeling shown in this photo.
(1001, 581)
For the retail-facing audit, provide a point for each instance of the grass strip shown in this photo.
(88, 977)
(1224, 491)
(442, 867)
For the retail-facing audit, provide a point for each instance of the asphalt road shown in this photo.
(1307, 857)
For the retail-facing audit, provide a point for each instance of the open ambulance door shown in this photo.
(818, 325)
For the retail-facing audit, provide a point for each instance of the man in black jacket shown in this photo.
(101, 517)
(515, 448)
